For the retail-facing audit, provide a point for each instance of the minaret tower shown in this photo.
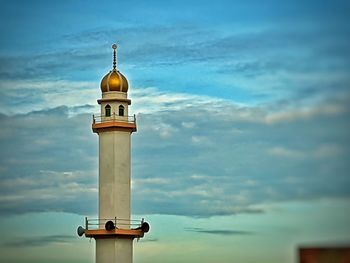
(114, 231)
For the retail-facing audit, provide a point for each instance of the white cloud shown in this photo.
(148, 100)
(199, 140)
(188, 125)
(331, 109)
(48, 188)
(151, 181)
(328, 151)
(321, 151)
(284, 152)
(32, 95)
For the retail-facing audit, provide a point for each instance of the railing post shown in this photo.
(86, 224)
(93, 118)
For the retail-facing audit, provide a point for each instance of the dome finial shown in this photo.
(114, 46)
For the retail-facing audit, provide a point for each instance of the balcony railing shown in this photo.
(112, 118)
(99, 223)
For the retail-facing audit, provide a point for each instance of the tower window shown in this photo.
(121, 110)
(108, 110)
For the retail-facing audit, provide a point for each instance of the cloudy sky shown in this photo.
(243, 108)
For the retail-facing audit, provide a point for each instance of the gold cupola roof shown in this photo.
(114, 80)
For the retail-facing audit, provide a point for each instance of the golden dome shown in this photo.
(114, 80)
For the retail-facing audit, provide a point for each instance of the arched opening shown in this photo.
(121, 110)
(108, 110)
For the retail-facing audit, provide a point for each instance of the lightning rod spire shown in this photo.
(114, 46)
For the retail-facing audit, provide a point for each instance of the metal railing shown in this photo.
(113, 117)
(98, 223)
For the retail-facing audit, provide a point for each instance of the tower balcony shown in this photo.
(113, 122)
(114, 227)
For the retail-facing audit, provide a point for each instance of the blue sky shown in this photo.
(243, 111)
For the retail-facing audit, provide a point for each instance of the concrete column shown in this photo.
(114, 250)
(114, 194)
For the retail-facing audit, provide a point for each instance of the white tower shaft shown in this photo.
(114, 194)
(114, 179)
